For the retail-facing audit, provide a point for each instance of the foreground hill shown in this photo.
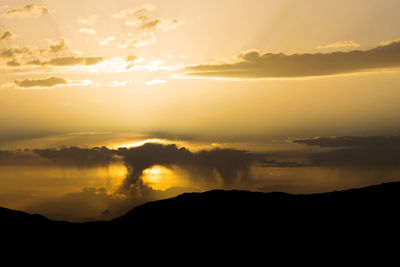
(372, 209)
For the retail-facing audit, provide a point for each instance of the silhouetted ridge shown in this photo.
(356, 211)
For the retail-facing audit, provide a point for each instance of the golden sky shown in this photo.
(210, 70)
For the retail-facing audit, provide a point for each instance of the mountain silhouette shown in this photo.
(354, 212)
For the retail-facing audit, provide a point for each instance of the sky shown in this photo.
(228, 75)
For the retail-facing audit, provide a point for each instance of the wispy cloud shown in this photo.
(30, 10)
(87, 30)
(127, 14)
(339, 45)
(107, 41)
(145, 39)
(146, 22)
(155, 82)
(151, 24)
(91, 20)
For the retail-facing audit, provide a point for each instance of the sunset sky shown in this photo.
(266, 76)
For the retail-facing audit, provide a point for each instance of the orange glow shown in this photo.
(140, 143)
(161, 178)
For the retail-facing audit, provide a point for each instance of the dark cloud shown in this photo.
(78, 157)
(12, 52)
(13, 63)
(229, 165)
(20, 157)
(256, 65)
(280, 164)
(67, 61)
(58, 46)
(6, 36)
(351, 151)
(353, 141)
(145, 23)
(49, 82)
(30, 10)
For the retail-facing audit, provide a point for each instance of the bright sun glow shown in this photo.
(161, 178)
(142, 142)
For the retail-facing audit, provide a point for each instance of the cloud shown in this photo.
(67, 61)
(169, 24)
(142, 18)
(17, 56)
(79, 157)
(13, 63)
(229, 166)
(107, 41)
(131, 61)
(30, 10)
(145, 39)
(155, 82)
(353, 151)
(134, 12)
(27, 51)
(91, 20)
(49, 82)
(253, 64)
(87, 30)
(339, 45)
(15, 51)
(58, 46)
(152, 24)
(6, 36)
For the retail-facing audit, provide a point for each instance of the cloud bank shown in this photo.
(253, 64)
(356, 152)
(227, 166)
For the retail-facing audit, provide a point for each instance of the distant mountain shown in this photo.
(222, 213)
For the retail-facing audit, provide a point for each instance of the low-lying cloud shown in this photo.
(253, 64)
(352, 151)
(342, 162)
(227, 166)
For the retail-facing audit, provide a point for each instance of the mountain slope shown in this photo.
(219, 212)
